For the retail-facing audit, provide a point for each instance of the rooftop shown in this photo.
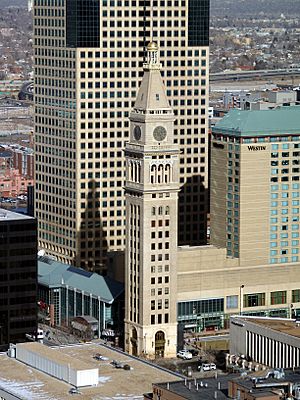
(28, 383)
(283, 325)
(6, 215)
(54, 274)
(217, 388)
(280, 121)
(188, 388)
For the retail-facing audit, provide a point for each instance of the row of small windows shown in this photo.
(159, 304)
(285, 154)
(49, 3)
(267, 139)
(159, 268)
(160, 210)
(285, 203)
(159, 280)
(161, 174)
(133, 54)
(160, 291)
(158, 319)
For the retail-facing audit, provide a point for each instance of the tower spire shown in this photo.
(152, 62)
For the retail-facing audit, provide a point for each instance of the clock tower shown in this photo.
(152, 186)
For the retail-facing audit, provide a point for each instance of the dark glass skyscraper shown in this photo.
(88, 66)
(18, 283)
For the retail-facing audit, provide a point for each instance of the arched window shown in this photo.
(160, 210)
(167, 173)
(167, 210)
(153, 211)
(129, 170)
(153, 174)
(160, 173)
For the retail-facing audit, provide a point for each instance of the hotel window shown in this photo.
(273, 261)
(278, 297)
(254, 300)
(296, 296)
(295, 258)
(231, 302)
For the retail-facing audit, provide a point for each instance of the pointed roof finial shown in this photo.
(152, 57)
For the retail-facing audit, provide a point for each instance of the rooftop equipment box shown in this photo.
(56, 364)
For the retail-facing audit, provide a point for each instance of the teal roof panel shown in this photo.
(54, 274)
(280, 121)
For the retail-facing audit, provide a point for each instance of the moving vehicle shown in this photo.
(185, 355)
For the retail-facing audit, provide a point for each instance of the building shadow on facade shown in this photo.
(193, 212)
(92, 236)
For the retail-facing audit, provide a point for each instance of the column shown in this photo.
(99, 326)
(67, 305)
(75, 311)
(104, 322)
(59, 308)
(82, 303)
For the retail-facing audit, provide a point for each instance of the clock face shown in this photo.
(137, 133)
(159, 133)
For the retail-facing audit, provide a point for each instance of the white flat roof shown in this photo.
(6, 215)
(54, 354)
(29, 383)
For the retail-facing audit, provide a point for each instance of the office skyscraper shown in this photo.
(18, 285)
(88, 64)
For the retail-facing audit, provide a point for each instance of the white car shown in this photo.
(185, 355)
(207, 367)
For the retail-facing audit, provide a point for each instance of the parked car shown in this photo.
(207, 367)
(185, 355)
(74, 391)
(194, 352)
(99, 357)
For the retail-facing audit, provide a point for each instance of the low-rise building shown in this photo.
(42, 372)
(274, 342)
(66, 292)
(266, 385)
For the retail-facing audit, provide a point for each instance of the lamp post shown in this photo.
(241, 298)
(292, 311)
